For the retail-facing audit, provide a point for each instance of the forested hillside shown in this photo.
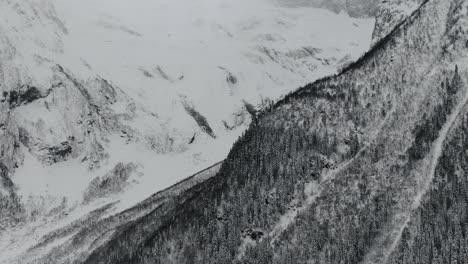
(368, 166)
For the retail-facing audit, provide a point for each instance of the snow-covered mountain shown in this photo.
(355, 8)
(387, 13)
(105, 101)
(366, 166)
(369, 166)
(166, 77)
(390, 14)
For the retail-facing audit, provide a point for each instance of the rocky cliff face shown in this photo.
(16, 88)
(364, 167)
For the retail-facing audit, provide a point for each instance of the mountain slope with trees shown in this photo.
(367, 166)
(390, 14)
(364, 167)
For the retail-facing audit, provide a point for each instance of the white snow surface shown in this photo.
(145, 47)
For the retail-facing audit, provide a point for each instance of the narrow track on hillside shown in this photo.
(438, 147)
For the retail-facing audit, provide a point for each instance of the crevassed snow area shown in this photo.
(210, 54)
(161, 50)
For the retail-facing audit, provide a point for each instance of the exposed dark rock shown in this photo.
(163, 74)
(227, 126)
(24, 95)
(193, 138)
(5, 180)
(112, 183)
(146, 73)
(231, 78)
(200, 119)
(313, 51)
(4, 96)
(59, 153)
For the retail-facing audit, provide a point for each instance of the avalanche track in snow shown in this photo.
(402, 220)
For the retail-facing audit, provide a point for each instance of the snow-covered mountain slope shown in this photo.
(104, 101)
(387, 13)
(155, 76)
(355, 8)
(390, 14)
(368, 166)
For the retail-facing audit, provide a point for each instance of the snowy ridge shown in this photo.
(390, 14)
(355, 8)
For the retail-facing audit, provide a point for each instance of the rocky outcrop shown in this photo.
(112, 183)
(23, 95)
(199, 119)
